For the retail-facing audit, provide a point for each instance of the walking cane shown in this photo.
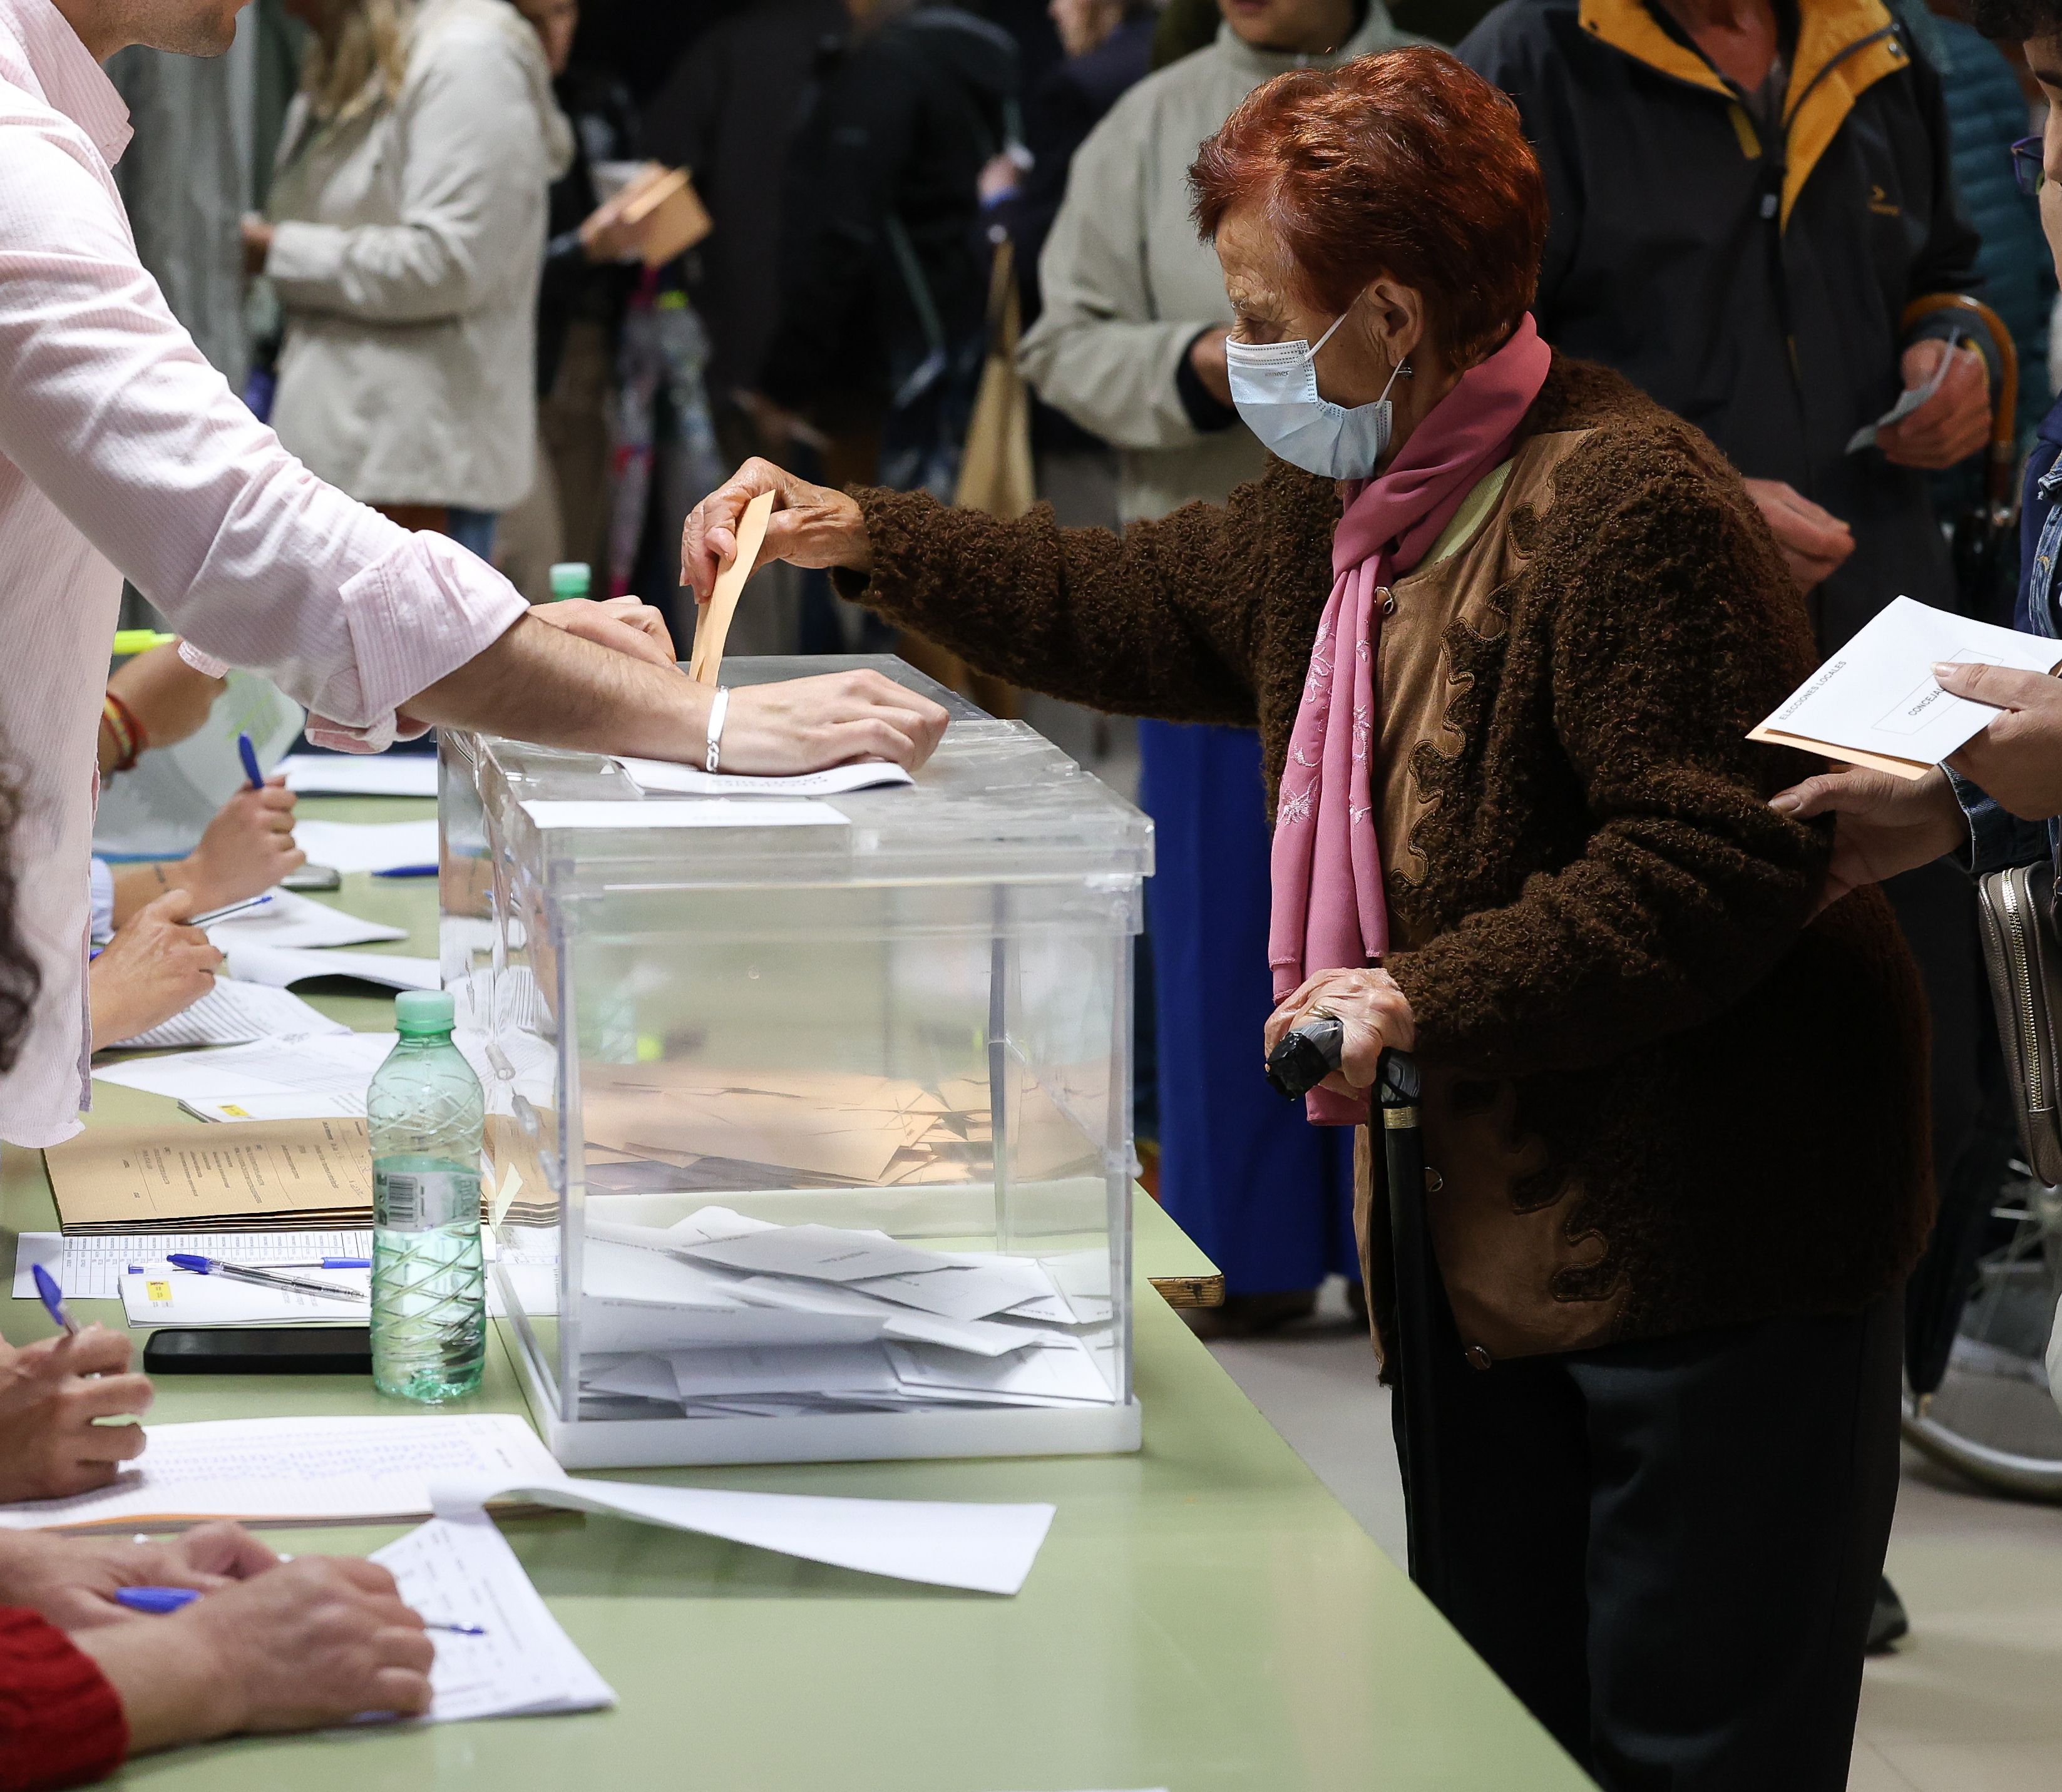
(1396, 1092)
(1301, 1061)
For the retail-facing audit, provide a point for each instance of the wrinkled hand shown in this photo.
(1206, 356)
(72, 1581)
(811, 526)
(627, 624)
(49, 1446)
(1814, 541)
(165, 694)
(2017, 760)
(1885, 825)
(1376, 1013)
(155, 967)
(1953, 423)
(809, 723)
(309, 1643)
(248, 847)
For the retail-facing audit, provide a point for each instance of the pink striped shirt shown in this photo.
(122, 451)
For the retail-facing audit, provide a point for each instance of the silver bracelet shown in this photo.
(717, 711)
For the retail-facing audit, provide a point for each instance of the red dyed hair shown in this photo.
(1407, 164)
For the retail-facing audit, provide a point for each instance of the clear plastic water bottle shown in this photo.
(426, 1115)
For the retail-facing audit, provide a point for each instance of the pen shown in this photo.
(408, 870)
(249, 754)
(52, 1296)
(214, 1266)
(161, 1599)
(233, 908)
(298, 1263)
(130, 642)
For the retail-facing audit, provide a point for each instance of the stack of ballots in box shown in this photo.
(724, 1316)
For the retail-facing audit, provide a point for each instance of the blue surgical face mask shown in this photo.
(1275, 386)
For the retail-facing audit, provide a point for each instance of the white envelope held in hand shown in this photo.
(1876, 703)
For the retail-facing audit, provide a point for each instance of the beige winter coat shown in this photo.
(408, 243)
(1127, 286)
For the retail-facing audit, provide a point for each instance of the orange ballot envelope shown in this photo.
(1874, 703)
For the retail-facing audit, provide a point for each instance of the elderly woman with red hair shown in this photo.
(1503, 624)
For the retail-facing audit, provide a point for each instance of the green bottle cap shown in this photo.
(570, 579)
(424, 1010)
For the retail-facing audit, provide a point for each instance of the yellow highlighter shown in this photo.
(131, 641)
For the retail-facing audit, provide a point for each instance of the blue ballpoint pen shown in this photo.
(265, 1278)
(158, 1600)
(408, 870)
(52, 1296)
(297, 1263)
(249, 754)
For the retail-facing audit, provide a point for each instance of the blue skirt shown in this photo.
(1267, 1195)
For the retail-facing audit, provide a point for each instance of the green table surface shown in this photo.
(1204, 1614)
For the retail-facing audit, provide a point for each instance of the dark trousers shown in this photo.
(1668, 1550)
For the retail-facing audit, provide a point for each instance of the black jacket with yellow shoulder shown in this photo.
(1752, 281)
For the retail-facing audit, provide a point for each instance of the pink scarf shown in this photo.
(1329, 911)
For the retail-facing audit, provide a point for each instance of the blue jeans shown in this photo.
(473, 529)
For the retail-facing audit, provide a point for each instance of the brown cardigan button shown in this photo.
(1476, 1357)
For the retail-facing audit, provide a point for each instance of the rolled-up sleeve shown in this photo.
(111, 411)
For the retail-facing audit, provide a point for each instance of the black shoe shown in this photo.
(1888, 1622)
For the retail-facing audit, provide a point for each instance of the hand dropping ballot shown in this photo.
(1876, 703)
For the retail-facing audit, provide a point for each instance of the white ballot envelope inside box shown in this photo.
(832, 1141)
(1875, 703)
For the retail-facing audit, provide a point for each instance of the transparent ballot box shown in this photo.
(809, 1115)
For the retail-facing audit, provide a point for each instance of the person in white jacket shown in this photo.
(405, 236)
(1132, 332)
(1130, 345)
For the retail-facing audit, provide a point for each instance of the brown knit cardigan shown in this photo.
(1723, 1104)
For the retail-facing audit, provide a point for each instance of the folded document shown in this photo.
(1875, 703)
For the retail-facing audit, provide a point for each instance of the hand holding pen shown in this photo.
(52, 1393)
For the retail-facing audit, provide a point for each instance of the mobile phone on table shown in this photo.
(260, 1350)
(313, 877)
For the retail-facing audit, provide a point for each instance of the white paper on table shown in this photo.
(368, 845)
(461, 1570)
(360, 774)
(314, 1470)
(236, 1108)
(982, 1548)
(290, 919)
(1908, 401)
(233, 1013)
(822, 1253)
(276, 967)
(718, 813)
(337, 1469)
(93, 1267)
(689, 780)
(339, 1062)
(163, 1296)
(1877, 695)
